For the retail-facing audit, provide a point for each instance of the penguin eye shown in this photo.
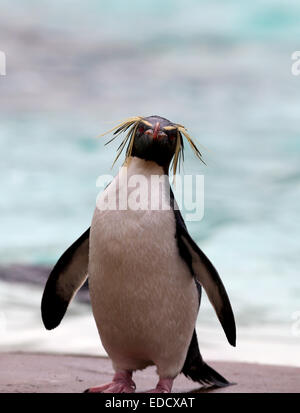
(141, 130)
(172, 135)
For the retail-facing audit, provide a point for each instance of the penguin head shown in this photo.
(153, 138)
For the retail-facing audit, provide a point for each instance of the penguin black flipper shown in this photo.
(197, 370)
(194, 366)
(203, 270)
(67, 276)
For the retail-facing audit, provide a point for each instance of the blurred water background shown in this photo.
(223, 69)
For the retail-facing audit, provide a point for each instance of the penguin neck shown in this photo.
(141, 185)
(139, 166)
(162, 156)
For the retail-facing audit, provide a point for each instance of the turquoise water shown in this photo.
(223, 69)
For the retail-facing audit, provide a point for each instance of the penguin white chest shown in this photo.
(144, 298)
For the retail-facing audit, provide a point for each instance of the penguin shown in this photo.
(145, 271)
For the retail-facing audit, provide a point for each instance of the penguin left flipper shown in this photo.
(67, 276)
(203, 270)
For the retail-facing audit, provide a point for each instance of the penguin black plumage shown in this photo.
(145, 271)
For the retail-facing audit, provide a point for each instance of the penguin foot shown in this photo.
(122, 383)
(163, 386)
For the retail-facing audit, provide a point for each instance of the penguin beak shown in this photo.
(156, 130)
(156, 133)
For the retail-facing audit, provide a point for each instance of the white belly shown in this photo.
(144, 298)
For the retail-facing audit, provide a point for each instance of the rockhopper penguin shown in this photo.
(145, 271)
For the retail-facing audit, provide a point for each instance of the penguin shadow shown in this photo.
(209, 389)
(202, 389)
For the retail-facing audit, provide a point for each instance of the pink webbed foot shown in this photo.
(122, 383)
(163, 386)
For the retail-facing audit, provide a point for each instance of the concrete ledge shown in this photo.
(47, 373)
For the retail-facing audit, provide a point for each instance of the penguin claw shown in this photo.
(97, 389)
(113, 387)
(156, 390)
(120, 388)
(163, 386)
(122, 383)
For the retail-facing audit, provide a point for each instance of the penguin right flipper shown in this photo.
(67, 276)
(194, 366)
(204, 272)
